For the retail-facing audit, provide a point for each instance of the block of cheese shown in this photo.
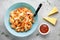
(53, 11)
(50, 20)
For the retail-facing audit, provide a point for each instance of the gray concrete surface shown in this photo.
(54, 30)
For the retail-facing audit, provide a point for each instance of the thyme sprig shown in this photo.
(48, 2)
(37, 34)
(3, 33)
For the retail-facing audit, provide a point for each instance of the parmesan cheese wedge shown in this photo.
(53, 11)
(50, 20)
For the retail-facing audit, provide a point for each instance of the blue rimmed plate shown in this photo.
(7, 24)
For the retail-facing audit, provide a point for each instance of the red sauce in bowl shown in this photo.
(44, 28)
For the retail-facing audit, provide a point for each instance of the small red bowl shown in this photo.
(42, 33)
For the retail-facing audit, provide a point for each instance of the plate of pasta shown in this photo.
(19, 20)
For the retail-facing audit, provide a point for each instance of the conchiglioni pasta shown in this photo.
(21, 19)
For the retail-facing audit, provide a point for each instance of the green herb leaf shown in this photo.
(37, 34)
(2, 33)
(6, 35)
(48, 2)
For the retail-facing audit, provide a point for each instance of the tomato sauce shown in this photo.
(44, 28)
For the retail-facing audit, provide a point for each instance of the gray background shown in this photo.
(54, 30)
